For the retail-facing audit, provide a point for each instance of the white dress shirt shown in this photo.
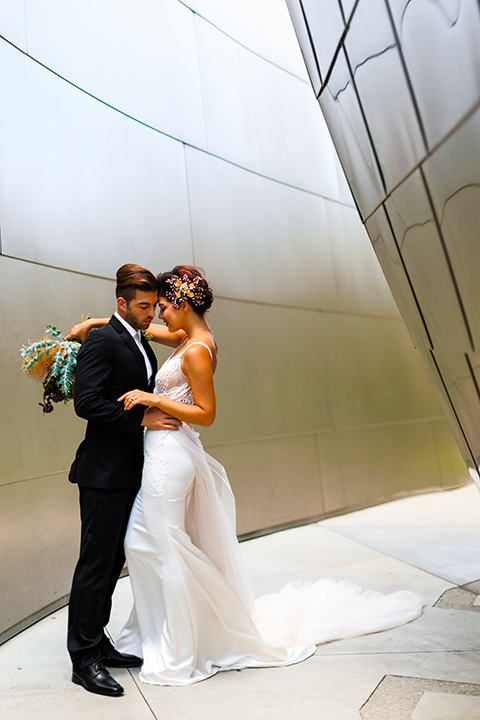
(137, 336)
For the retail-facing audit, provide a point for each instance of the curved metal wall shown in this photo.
(398, 82)
(162, 133)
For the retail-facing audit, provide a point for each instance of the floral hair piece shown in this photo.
(183, 289)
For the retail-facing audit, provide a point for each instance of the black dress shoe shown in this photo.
(96, 679)
(113, 658)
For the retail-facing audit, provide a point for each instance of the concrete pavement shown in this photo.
(426, 670)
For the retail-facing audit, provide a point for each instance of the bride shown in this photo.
(193, 612)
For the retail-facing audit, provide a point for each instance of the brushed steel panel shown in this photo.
(434, 278)
(333, 486)
(83, 187)
(342, 112)
(427, 265)
(348, 6)
(206, 8)
(259, 240)
(360, 284)
(308, 50)
(141, 58)
(344, 191)
(249, 121)
(274, 481)
(389, 258)
(452, 466)
(386, 100)
(441, 44)
(462, 386)
(378, 463)
(442, 465)
(438, 384)
(12, 22)
(375, 374)
(271, 377)
(453, 177)
(326, 25)
(39, 542)
(264, 27)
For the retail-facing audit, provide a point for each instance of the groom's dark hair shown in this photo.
(131, 278)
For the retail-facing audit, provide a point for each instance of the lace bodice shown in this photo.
(171, 381)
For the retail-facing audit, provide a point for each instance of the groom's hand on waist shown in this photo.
(156, 419)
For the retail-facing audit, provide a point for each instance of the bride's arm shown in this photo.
(81, 330)
(197, 366)
(159, 333)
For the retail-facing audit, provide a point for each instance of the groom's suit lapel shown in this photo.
(153, 359)
(123, 332)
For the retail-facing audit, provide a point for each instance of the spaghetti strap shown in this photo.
(199, 343)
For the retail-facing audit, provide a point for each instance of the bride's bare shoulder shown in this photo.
(200, 346)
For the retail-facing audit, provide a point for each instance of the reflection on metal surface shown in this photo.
(441, 44)
(428, 265)
(344, 117)
(321, 15)
(402, 102)
(453, 177)
(380, 231)
(376, 62)
(309, 54)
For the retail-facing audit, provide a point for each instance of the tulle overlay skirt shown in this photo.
(193, 613)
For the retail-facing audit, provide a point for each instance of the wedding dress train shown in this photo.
(193, 613)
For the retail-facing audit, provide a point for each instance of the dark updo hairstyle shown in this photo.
(200, 296)
(131, 278)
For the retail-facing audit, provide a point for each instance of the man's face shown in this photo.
(140, 311)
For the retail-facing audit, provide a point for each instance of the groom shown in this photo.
(108, 470)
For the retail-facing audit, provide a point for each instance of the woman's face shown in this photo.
(171, 316)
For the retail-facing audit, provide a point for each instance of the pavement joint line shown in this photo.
(141, 693)
(400, 652)
(394, 557)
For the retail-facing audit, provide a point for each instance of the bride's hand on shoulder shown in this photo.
(81, 330)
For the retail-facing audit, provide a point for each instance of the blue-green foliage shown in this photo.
(56, 369)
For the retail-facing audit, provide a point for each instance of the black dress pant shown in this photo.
(104, 516)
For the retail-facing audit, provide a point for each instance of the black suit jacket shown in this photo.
(109, 364)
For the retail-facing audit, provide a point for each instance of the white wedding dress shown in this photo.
(193, 613)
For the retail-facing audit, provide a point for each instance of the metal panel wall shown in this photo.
(399, 86)
(190, 134)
